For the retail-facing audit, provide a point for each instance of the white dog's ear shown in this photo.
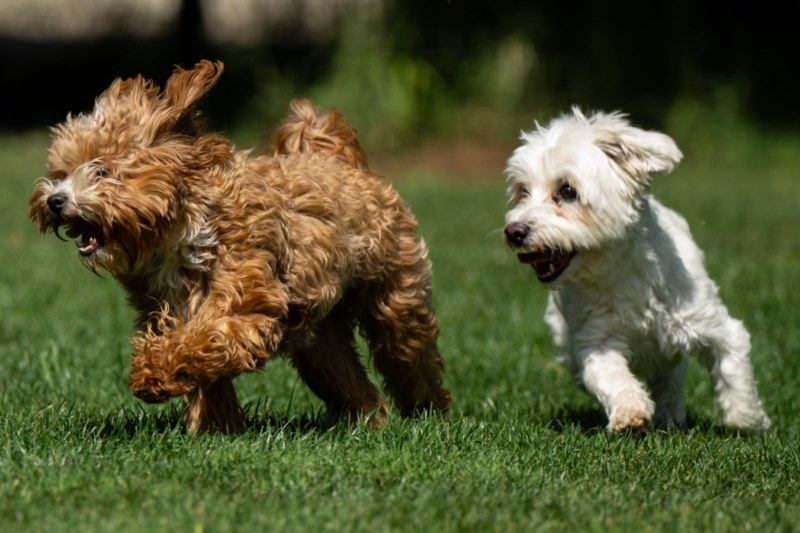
(638, 152)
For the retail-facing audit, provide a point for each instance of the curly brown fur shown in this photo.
(232, 259)
(307, 130)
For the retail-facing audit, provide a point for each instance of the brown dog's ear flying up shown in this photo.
(185, 87)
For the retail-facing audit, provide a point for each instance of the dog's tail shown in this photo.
(306, 129)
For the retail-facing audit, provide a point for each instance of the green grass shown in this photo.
(523, 449)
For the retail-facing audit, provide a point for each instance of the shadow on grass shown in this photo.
(134, 422)
(587, 420)
(129, 423)
(593, 420)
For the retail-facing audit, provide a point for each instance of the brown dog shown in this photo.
(231, 259)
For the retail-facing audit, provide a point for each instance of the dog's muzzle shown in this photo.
(548, 263)
(89, 236)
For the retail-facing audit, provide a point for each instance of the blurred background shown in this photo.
(451, 81)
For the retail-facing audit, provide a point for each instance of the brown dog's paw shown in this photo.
(149, 390)
(148, 396)
(153, 387)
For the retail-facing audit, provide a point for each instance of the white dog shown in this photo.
(634, 298)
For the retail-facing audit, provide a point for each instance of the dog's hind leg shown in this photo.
(667, 392)
(401, 331)
(727, 360)
(213, 409)
(402, 339)
(331, 368)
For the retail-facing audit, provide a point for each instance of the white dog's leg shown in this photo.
(606, 375)
(728, 361)
(667, 391)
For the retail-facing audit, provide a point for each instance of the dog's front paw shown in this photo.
(154, 386)
(632, 412)
(633, 420)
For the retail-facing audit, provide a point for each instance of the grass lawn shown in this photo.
(523, 449)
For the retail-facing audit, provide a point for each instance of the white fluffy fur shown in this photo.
(635, 300)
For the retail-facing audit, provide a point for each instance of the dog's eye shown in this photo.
(567, 193)
(98, 173)
(519, 193)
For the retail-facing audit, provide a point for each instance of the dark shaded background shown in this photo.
(638, 56)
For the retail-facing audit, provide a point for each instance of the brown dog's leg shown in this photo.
(214, 409)
(178, 354)
(199, 353)
(331, 368)
(401, 331)
(405, 353)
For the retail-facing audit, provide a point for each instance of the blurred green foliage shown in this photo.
(411, 71)
(406, 71)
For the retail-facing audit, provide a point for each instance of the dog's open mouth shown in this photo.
(548, 264)
(88, 237)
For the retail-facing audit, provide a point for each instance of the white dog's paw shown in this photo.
(631, 412)
(628, 419)
(746, 420)
(743, 411)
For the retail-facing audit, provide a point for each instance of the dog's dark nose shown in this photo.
(516, 234)
(56, 202)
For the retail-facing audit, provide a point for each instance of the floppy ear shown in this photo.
(185, 87)
(637, 152)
